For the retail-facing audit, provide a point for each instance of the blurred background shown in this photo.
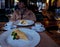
(37, 6)
(46, 11)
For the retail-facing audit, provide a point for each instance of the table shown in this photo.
(46, 41)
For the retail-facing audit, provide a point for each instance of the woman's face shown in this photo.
(21, 5)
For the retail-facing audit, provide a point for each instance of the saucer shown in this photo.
(40, 29)
(9, 27)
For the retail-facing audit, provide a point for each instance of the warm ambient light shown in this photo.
(47, 1)
(15, 2)
(52, 2)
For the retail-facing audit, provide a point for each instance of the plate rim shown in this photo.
(23, 24)
(26, 28)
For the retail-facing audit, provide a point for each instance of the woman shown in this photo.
(22, 12)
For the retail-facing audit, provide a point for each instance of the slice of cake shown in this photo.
(23, 21)
(17, 34)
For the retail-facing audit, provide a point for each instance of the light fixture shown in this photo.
(47, 1)
(15, 2)
(52, 1)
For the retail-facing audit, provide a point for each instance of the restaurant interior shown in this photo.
(44, 32)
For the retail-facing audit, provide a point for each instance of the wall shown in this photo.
(58, 3)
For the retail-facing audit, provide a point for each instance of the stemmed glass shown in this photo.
(58, 23)
(39, 5)
(57, 17)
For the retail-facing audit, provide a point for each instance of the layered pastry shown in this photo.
(17, 34)
(23, 21)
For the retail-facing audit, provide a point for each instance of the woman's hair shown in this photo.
(23, 1)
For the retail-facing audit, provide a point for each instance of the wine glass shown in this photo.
(58, 23)
(39, 5)
(57, 17)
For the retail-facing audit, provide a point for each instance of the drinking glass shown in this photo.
(58, 23)
(57, 17)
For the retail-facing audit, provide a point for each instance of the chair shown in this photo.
(3, 18)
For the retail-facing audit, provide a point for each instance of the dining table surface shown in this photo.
(45, 41)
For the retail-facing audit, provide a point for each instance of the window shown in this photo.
(2, 4)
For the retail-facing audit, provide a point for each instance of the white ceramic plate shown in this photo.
(28, 22)
(34, 38)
